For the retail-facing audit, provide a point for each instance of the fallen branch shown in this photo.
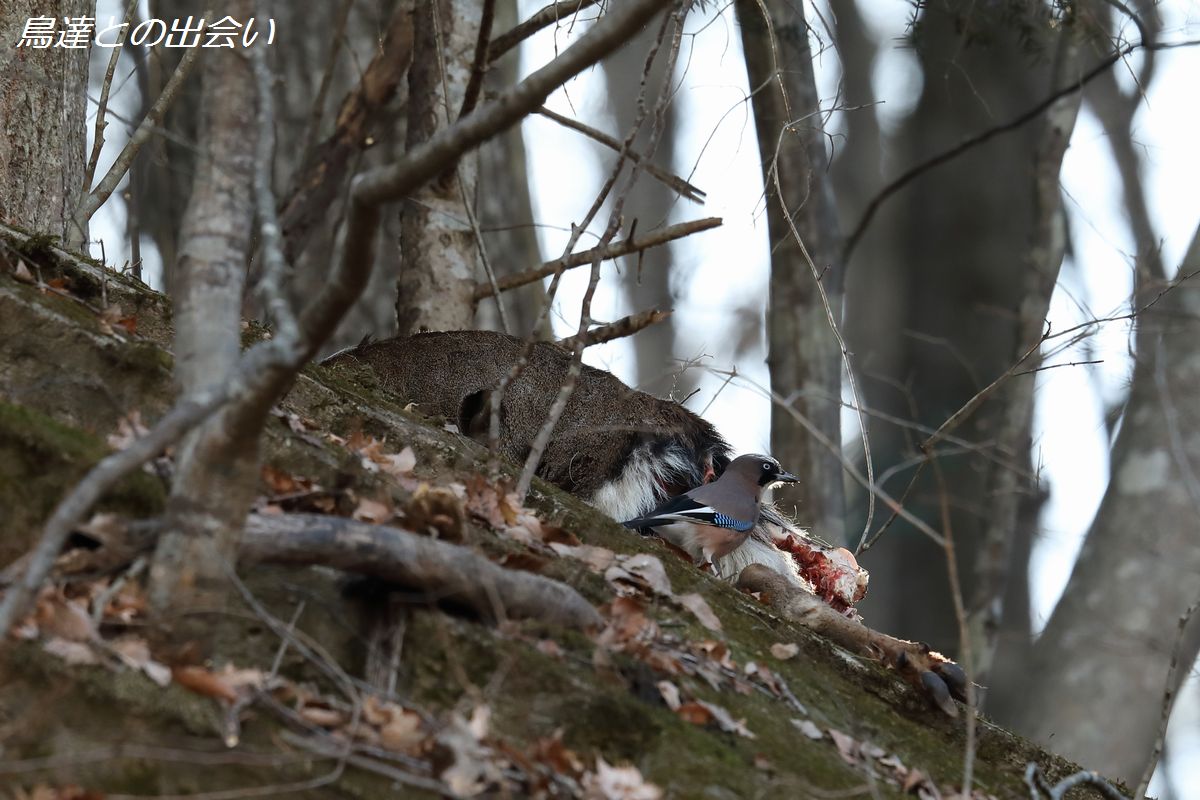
(932, 673)
(626, 326)
(633, 244)
(673, 182)
(445, 571)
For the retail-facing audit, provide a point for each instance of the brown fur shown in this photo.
(452, 374)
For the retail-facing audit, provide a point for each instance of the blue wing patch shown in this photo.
(726, 521)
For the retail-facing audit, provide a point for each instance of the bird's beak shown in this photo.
(787, 477)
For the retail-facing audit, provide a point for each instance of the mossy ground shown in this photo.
(48, 438)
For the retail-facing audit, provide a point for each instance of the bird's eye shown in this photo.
(766, 465)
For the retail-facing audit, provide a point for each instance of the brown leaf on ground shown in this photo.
(847, 746)
(553, 752)
(23, 274)
(726, 722)
(402, 733)
(703, 611)
(205, 682)
(670, 694)
(74, 653)
(597, 559)
(627, 624)
(372, 511)
(808, 729)
(284, 483)
(135, 654)
(618, 783)
(784, 651)
(641, 572)
(67, 619)
(129, 429)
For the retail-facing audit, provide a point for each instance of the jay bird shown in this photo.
(713, 520)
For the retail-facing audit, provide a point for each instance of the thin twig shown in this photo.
(542, 440)
(96, 198)
(897, 507)
(964, 634)
(626, 326)
(673, 182)
(831, 319)
(911, 174)
(1170, 692)
(633, 244)
(89, 172)
(541, 19)
(479, 63)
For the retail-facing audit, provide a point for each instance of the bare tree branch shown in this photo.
(1168, 703)
(445, 571)
(626, 326)
(102, 106)
(547, 16)
(92, 201)
(604, 252)
(673, 182)
(911, 174)
(480, 61)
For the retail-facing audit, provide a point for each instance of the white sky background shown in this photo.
(720, 273)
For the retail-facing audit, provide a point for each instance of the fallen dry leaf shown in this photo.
(135, 653)
(670, 694)
(703, 611)
(618, 783)
(129, 429)
(402, 733)
(597, 559)
(372, 511)
(23, 274)
(66, 619)
(807, 727)
(784, 651)
(205, 682)
(74, 653)
(847, 746)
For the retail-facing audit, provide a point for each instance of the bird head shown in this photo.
(759, 470)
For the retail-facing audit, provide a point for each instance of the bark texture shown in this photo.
(215, 479)
(1102, 661)
(42, 118)
(803, 353)
(438, 251)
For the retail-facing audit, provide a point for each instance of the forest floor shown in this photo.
(687, 688)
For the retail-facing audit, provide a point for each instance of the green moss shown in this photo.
(40, 458)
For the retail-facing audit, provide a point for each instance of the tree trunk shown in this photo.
(43, 102)
(438, 251)
(803, 353)
(1102, 661)
(217, 472)
(933, 291)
